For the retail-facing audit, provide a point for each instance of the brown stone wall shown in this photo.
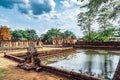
(11, 44)
(5, 33)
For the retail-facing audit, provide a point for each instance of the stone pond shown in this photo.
(98, 63)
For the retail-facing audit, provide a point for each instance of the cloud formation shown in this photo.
(70, 3)
(33, 7)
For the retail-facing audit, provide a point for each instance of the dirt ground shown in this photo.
(15, 73)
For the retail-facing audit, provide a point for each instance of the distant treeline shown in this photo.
(29, 34)
(52, 33)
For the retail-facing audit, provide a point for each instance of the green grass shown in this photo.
(3, 72)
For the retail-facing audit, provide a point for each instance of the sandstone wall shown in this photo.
(5, 33)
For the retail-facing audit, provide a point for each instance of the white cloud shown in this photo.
(65, 4)
(70, 3)
(65, 20)
(36, 7)
(75, 2)
(53, 4)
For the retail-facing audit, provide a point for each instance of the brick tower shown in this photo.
(5, 33)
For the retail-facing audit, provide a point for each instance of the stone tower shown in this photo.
(5, 33)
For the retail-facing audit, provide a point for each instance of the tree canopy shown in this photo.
(28, 34)
(103, 12)
(105, 9)
(52, 33)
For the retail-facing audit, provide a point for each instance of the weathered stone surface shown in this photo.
(18, 44)
(5, 33)
(59, 40)
(32, 60)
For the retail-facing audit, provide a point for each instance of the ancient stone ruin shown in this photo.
(4, 33)
(32, 61)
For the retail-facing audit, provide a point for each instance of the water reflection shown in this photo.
(90, 62)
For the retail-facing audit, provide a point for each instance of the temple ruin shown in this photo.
(6, 42)
(4, 33)
(60, 41)
(21, 43)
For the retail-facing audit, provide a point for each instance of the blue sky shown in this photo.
(40, 15)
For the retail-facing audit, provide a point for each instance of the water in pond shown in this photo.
(101, 64)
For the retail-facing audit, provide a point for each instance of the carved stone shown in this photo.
(5, 33)
(32, 60)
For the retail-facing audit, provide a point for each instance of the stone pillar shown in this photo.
(16, 44)
(13, 44)
(7, 44)
(26, 43)
(10, 44)
(29, 43)
(20, 44)
(3, 43)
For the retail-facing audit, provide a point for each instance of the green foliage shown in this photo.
(16, 35)
(3, 72)
(101, 12)
(85, 22)
(31, 34)
(28, 34)
(68, 34)
(103, 35)
(52, 33)
(105, 9)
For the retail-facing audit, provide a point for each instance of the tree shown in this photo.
(24, 34)
(31, 34)
(105, 9)
(92, 36)
(103, 35)
(68, 34)
(28, 34)
(85, 22)
(52, 33)
(100, 11)
(16, 35)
